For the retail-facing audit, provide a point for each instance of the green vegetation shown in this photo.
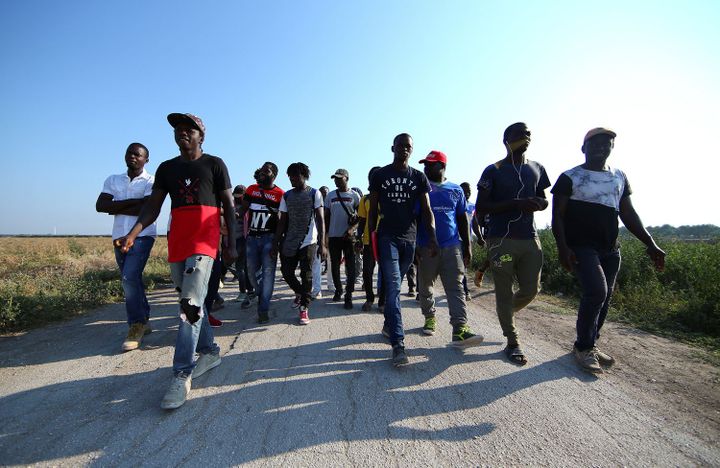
(47, 279)
(683, 301)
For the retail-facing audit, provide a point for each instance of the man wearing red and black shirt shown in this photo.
(262, 201)
(198, 184)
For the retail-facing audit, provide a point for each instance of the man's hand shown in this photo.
(481, 241)
(528, 205)
(274, 251)
(322, 251)
(467, 255)
(229, 255)
(567, 258)
(433, 248)
(125, 243)
(657, 255)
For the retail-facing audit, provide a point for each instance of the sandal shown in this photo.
(515, 355)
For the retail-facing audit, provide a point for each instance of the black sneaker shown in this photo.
(399, 357)
(385, 332)
(263, 317)
(337, 296)
(348, 301)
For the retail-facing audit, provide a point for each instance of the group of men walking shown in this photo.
(409, 216)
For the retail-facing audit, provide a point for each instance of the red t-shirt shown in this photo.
(194, 188)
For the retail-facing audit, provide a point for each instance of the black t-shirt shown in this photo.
(502, 181)
(398, 195)
(194, 188)
(591, 216)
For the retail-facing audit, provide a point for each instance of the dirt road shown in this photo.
(326, 394)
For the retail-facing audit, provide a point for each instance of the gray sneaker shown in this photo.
(204, 363)
(603, 358)
(588, 360)
(177, 393)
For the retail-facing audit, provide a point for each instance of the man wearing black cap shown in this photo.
(198, 184)
(587, 200)
(341, 221)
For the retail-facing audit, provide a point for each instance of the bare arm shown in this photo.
(229, 252)
(429, 220)
(131, 207)
(320, 224)
(565, 254)
(147, 216)
(464, 230)
(631, 220)
(279, 231)
(373, 212)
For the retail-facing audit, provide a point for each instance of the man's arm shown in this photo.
(279, 231)
(373, 212)
(565, 254)
(475, 224)
(229, 252)
(320, 224)
(147, 216)
(131, 207)
(631, 220)
(464, 230)
(428, 218)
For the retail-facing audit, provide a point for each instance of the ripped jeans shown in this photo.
(191, 279)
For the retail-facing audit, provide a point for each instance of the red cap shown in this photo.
(175, 118)
(434, 156)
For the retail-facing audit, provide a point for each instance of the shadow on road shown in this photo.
(261, 403)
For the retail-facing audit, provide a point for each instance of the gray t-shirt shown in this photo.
(300, 205)
(338, 215)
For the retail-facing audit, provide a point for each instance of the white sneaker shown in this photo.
(204, 363)
(177, 393)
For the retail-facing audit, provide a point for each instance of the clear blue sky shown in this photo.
(331, 82)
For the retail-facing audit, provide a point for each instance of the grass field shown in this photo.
(51, 278)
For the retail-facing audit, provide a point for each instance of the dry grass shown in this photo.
(51, 278)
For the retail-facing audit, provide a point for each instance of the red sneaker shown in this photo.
(304, 318)
(214, 322)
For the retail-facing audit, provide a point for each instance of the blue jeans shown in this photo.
(191, 278)
(395, 259)
(596, 270)
(131, 266)
(258, 256)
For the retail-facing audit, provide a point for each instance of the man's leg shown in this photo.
(287, 267)
(451, 271)
(267, 283)
(528, 267)
(411, 278)
(610, 263)
(191, 276)
(316, 277)
(253, 254)
(335, 246)
(427, 274)
(131, 266)
(390, 268)
(348, 249)
(368, 270)
(241, 266)
(502, 265)
(306, 256)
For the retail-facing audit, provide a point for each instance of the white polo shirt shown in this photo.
(122, 188)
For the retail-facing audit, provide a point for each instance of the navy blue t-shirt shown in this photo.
(502, 181)
(398, 193)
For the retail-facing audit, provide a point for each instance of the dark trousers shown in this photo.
(303, 287)
(213, 284)
(368, 271)
(241, 270)
(412, 277)
(596, 270)
(339, 247)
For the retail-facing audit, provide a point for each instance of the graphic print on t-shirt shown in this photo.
(263, 209)
(399, 189)
(189, 189)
